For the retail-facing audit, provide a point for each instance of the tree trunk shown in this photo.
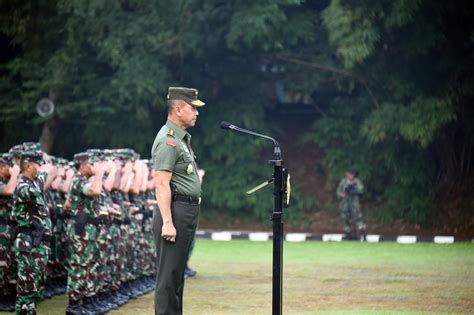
(48, 135)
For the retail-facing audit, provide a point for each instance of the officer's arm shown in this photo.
(109, 182)
(163, 194)
(340, 189)
(359, 186)
(9, 188)
(96, 187)
(66, 186)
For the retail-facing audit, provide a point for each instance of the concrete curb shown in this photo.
(330, 237)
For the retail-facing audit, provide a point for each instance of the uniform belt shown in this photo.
(188, 199)
(27, 230)
(116, 221)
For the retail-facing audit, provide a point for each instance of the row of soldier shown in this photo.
(87, 221)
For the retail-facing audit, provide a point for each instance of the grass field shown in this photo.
(323, 278)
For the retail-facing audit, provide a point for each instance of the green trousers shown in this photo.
(171, 258)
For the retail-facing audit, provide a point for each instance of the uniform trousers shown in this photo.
(171, 258)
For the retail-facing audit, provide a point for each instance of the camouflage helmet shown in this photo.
(16, 150)
(6, 158)
(31, 146)
(34, 156)
(85, 157)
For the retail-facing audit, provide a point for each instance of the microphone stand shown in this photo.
(277, 217)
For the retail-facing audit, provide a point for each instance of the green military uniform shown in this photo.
(82, 239)
(6, 241)
(172, 152)
(349, 205)
(32, 242)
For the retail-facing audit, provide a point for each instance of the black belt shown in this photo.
(116, 221)
(188, 199)
(27, 230)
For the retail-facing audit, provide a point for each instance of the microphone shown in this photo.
(228, 126)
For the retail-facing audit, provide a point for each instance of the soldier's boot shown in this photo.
(189, 273)
(91, 305)
(106, 300)
(119, 297)
(75, 308)
(7, 303)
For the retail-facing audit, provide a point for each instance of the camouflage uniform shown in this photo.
(32, 216)
(349, 205)
(83, 250)
(6, 237)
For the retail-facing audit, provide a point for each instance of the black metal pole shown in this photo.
(277, 237)
(277, 218)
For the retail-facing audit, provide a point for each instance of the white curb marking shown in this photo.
(221, 236)
(372, 238)
(296, 237)
(259, 236)
(406, 239)
(332, 237)
(444, 239)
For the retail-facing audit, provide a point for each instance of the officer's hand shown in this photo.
(14, 170)
(70, 172)
(168, 232)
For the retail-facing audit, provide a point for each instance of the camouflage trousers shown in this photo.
(133, 250)
(83, 255)
(101, 268)
(5, 259)
(32, 262)
(351, 214)
(114, 254)
(149, 250)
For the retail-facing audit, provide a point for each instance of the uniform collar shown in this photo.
(25, 178)
(179, 132)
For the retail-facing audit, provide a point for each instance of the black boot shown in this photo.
(7, 303)
(91, 305)
(75, 307)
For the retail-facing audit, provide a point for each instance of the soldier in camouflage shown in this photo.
(8, 179)
(349, 190)
(82, 233)
(34, 231)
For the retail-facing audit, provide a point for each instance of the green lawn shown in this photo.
(323, 278)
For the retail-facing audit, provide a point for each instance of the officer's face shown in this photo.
(87, 169)
(32, 168)
(350, 176)
(4, 170)
(188, 114)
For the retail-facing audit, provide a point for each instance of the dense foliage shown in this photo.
(392, 83)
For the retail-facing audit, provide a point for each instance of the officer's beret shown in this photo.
(85, 157)
(34, 156)
(6, 158)
(188, 95)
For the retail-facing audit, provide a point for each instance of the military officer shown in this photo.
(82, 233)
(8, 179)
(32, 242)
(178, 193)
(349, 190)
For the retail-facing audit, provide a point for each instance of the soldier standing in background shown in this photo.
(8, 179)
(178, 193)
(82, 233)
(34, 231)
(349, 190)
